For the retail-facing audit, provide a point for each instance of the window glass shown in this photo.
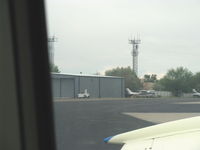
(121, 65)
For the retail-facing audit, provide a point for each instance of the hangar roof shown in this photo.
(84, 75)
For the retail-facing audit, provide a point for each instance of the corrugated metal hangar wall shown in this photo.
(69, 85)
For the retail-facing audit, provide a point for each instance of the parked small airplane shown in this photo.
(195, 93)
(181, 134)
(141, 93)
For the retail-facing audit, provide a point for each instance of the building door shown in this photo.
(67, 87)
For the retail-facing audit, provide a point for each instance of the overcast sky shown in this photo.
(93, 34)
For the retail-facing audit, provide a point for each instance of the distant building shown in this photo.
(148, 85)
(70, 85)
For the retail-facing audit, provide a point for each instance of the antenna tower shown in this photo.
(135, 43)
(51, 41)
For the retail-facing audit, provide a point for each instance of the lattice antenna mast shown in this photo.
(135, 43)
(51, 41)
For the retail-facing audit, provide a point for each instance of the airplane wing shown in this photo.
(181, 134)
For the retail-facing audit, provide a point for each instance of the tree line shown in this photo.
(178, 81)
(130, 78)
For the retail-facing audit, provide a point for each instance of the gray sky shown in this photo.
(93, 34)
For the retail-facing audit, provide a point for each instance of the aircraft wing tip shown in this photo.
(106, 140)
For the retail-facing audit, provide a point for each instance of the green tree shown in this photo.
(196, 81)
(150, 78)
(158, 86)
(54, 68)
(153, 78)
(147, 78)
(131, 80)
(177, 81)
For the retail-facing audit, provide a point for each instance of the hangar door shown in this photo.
(67, 87)
(56, 87)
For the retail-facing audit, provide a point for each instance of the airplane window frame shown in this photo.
(28, 107)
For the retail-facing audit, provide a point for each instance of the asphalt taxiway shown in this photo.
(83, 124)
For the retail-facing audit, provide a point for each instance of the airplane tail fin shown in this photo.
(129, 91)
(194, 90)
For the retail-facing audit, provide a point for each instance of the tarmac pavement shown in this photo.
(83, 124)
